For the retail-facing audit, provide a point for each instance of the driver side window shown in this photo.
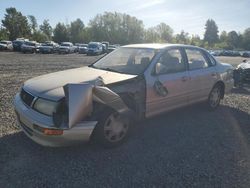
(171, 61)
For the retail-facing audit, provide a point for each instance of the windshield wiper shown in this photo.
(109, 69)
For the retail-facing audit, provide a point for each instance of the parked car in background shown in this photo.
(105, 45)
(95, 48)
(30, 47)
(17, 45)
(66, 48)
(83, 48)
(111, 48)
(6, 45)
(215, 52)
(242, 74)
(231, 53)
(132, 83)
(246, 54)
(49, 47)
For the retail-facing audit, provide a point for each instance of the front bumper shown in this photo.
(229, 84)
(30, 120)
(64, 50)
(46, 50)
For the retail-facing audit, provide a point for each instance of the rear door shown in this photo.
(168, 83)
(202, 74)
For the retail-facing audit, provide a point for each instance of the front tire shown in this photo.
(214, 97)
(112, 129)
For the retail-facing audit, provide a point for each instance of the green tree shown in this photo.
(196, 40)
(61, 33)
(165, 32)
(233, 39)
(3, 34)
(151, 35)
(16, 24)
(116, 28)
(246, 39)
(39, 36)
(211, 32)
(32, 23)
(77, 31)
(182, 38)
(46, 29)
(159, 33)
(223, 36)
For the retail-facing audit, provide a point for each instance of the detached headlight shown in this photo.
(45, 106)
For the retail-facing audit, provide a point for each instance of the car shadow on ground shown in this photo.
(243, 90)
(186, 147)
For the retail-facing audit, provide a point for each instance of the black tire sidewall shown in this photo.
(211, 108)
(98, 133)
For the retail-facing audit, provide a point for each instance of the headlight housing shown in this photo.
(45, 106)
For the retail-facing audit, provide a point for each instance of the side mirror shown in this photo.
(159, 68)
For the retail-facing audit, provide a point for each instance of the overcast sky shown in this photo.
(188, 15)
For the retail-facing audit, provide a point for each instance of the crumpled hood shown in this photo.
(244, 65)
(50, 86)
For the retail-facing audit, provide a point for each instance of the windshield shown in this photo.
(3, 42)
(30, 44)
(126, 60)
(92, 45)
(47, 44)
(65, 44)
(83, 45)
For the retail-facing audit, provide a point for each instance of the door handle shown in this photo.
(160, 89)
(184, 78)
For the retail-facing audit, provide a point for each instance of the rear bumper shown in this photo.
(32, 122)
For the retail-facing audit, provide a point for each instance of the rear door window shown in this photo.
(196, 59)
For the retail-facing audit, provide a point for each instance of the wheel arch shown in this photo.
(222, 85)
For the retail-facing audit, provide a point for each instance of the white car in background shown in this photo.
(6, 45)
(66, 48)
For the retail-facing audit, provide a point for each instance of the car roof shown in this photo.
(66, 43)
(5, 41)
(158, 45)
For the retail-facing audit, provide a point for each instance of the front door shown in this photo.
(168, 85)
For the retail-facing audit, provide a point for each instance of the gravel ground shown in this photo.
(189, 147)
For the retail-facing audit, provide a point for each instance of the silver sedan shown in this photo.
(104, 100)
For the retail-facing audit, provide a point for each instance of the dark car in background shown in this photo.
(49, 47)
(246, 54)
(17, 45)
(83, 48)
(95, 48)
(30, 47)
(6, 45)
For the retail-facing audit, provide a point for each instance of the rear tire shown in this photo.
(214, 97)
(112, 129)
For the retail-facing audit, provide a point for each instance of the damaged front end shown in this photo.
(79, 110)
(78, 105)
(242, 74)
